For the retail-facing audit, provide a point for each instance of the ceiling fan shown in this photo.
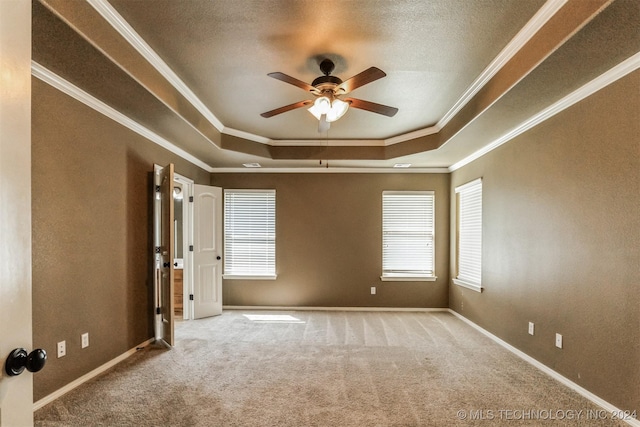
(328, 107)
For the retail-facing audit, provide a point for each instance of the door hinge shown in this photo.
(190, 297)
(191, 199)
(158, 311)
(158, 249)
(190, 248)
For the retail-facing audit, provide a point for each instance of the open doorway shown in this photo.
(188, 250)
(198, 249)
(178, 261)
(183, 232)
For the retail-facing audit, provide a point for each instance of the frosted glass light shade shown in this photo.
(321, 106)
(333, 110)
(338, 108)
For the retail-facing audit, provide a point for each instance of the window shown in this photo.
(408, 235)
(469, 235)
(249, 234)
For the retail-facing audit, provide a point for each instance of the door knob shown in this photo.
(18, 360)
(166, 264)
(175, 264)
(218, 257)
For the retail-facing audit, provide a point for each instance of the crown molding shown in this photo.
(413, 135)
(622, 69)
(64, 86)
(123, 28)
(246, 135)
(305, 142)
(52, 79)
(111, 15)
(328, 143)
(324, 169)
(524, 35)
(546, 12)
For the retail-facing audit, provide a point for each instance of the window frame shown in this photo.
(388, 275)
(470, 189)
(270, 222)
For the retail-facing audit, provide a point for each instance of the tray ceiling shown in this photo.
(462, 74)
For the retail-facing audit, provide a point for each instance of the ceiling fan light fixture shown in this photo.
(338, 108)
(332, 110)
(321, 106)
(327, 107)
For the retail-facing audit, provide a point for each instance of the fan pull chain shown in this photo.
(327, 141)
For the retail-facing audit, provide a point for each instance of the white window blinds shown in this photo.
(408, 234)
(250, 233)
(469, 241)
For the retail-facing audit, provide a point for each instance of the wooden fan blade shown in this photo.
(367, 76)
(293, 81)
(286, 108)
(385, 110)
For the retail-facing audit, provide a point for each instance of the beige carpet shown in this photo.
(324, 369)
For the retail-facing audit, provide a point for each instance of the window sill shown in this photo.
(468, 285)
(408, 278)
(240, 277)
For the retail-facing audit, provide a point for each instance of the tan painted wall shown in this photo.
(561, 243)
(91, 236)
(329, 241)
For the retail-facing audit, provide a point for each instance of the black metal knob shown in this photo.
(175, 264)
(36, 360)
(218, 257)
(166, 264)
(18, 360)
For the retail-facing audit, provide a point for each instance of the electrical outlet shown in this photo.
(62, 349)
(531, 328)
(558, 340)
(373, 290)
(85, 339)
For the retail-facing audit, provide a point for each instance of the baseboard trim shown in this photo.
(311, 308)
(547, 370)
(86, 377)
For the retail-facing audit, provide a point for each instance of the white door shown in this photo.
(16, 393)
(207, 251)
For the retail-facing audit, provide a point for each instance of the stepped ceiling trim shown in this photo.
(111, 15)
(544, 47)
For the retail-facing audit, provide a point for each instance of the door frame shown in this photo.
(187, 240)
(163, 303)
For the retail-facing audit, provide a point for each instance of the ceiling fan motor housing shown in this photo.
(325, 82)
(327, 66)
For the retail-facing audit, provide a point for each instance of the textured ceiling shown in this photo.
(432, 52)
